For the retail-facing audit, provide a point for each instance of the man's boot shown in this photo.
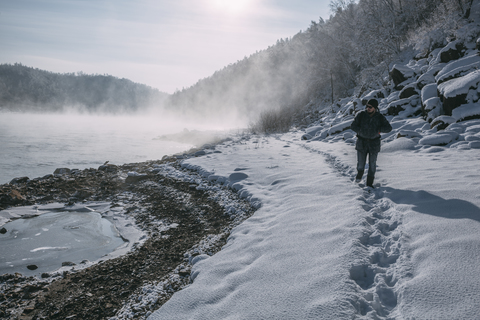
(359, 175)
(370, 181)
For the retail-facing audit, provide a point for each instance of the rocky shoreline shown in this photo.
(139, 282)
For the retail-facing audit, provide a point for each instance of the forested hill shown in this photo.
(349, 54)
(29, 89)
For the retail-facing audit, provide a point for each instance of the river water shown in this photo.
(34, 145)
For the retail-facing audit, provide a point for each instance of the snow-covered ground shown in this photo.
(321, 246)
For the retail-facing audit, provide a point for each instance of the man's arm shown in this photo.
(356, 123)
(385, 126)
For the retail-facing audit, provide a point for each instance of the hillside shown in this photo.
(29, 89)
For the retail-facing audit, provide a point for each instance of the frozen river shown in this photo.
(56, 237)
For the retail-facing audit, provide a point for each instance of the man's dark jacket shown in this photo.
(368, 130)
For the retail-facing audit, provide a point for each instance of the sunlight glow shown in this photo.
(232, 6)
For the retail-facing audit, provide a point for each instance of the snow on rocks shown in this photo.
(442, 91)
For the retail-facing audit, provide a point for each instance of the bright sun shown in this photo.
(231, 6)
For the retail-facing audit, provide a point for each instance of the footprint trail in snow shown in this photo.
(384, 265)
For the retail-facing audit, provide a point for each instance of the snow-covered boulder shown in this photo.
(395, 107)
(429, 91)
(454, 92)
(432, 108)
(405, 107)
(458, 68)
(393, 97)
(340, 127)
(399, 145)
(474, 144)
(437, 139)
(452, 51)
(408, 91)
(425, 79)
(442, 122)
(408, 134)
(467, 112)
(400, 73)
(310, 132)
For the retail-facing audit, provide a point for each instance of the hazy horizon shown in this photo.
(165, 45)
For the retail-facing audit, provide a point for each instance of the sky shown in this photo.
(166, 44)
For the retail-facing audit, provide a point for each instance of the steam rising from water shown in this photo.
(34, 145)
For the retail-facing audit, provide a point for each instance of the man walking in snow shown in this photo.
(368, 125)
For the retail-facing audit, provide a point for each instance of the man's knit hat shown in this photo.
(373, 103)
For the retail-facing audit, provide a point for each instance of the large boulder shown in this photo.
(401, 73)
(61, 171)
(452, 51)
(408, 91)
(467, 112)
(396, 107)
(458, 68)
(428, 92)
(340, 127)
(10, 198)
(108, 168)
(429, 76)
(453, 93)
(442, 122)
(19, 180)
(432, 108)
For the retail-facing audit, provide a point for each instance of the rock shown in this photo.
(68, 264)
(474, 144)
(454, 92)
(395, 107)
(135, 178)
(12, 197)
(429, 91)
(184, 272)
(458, 68)
(340, 127)
(108, 168)
(408, 91)
(442, 122)
(400, 73)
(32, 267)
(82, 194)
(432, 108)
(425, 79)
(306, 137)
(453, 51)
(61, 171)
(436, 140)
(467, 112)
(19, 180)
(3, 231)
(45, 275)
(199, 153)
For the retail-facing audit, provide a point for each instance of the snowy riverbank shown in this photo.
(324, 247)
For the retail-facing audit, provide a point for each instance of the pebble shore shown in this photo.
(133, 285)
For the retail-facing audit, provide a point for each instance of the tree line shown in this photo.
(24, 88)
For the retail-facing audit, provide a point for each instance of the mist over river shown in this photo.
(34, 145)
